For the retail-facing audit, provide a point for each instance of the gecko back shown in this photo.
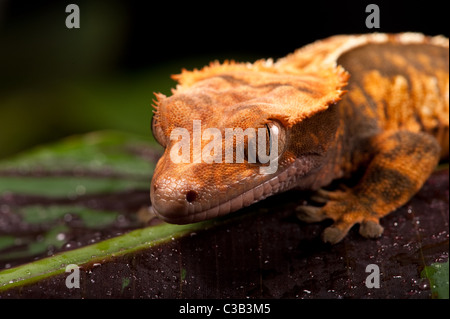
(400, 87)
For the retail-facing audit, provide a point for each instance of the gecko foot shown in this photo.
(345, 209)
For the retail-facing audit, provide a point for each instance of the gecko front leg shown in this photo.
(401, 163)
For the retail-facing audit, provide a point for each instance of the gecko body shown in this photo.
(374, 106)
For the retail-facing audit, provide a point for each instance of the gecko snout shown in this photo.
(173, 204)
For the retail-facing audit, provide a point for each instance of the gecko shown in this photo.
(373, 107)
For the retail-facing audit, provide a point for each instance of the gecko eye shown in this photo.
(274, 130)
(274, 140)
(158, 133)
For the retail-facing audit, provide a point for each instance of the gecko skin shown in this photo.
(374, 106)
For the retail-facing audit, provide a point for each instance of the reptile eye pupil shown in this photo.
(191, 196)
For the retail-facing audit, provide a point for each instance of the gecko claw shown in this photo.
(319, 199)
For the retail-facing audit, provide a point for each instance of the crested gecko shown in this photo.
(374, 106)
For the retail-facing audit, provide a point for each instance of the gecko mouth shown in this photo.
(184, 213)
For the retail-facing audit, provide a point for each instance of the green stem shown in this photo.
(96, 253)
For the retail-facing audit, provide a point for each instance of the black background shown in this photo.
(164, 30)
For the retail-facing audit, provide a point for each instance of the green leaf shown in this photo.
(99, 162)
(438, 275)
(53, 238)
(6, 241)
(45, 214)
(68, 187)
(105, 151)
(96, 253)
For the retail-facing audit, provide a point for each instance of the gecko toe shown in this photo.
(371, 229)
(334, 234)
(322, 196)
(310, 214)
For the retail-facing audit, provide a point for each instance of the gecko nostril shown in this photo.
(191, 196)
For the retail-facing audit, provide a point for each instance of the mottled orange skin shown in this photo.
(375, 107)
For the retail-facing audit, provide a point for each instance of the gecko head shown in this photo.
(231, 139)
(207, 171)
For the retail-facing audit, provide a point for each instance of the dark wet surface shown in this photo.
(77, 234)
(267, 254)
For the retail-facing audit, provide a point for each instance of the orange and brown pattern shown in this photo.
(374, 106)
